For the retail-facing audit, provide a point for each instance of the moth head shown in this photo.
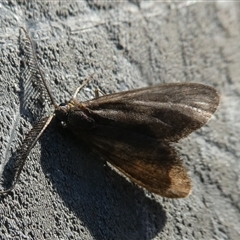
(62, 112)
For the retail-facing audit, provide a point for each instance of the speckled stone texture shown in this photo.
(67, 192)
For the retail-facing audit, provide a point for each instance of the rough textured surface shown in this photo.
(66, 192)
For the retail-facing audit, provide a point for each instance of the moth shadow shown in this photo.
(109, 206)
(9, 172)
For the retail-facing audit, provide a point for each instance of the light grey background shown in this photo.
(66, 192)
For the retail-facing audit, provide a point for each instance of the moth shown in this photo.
(133, 130)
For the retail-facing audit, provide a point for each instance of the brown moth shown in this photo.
(134, 130)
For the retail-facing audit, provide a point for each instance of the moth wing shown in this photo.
(168, 112)
(146, 161)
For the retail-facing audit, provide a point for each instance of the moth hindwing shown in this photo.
(135, 130)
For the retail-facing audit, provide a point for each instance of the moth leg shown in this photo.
(97, 91)
(82, 85)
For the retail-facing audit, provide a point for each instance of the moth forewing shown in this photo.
(168, 111)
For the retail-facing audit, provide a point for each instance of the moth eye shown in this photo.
(62, 104)
(64, 124)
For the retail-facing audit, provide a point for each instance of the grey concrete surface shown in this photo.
(65, 191)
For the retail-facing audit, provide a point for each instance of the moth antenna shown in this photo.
(28, 143)
(36, 65)
(82, 85)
